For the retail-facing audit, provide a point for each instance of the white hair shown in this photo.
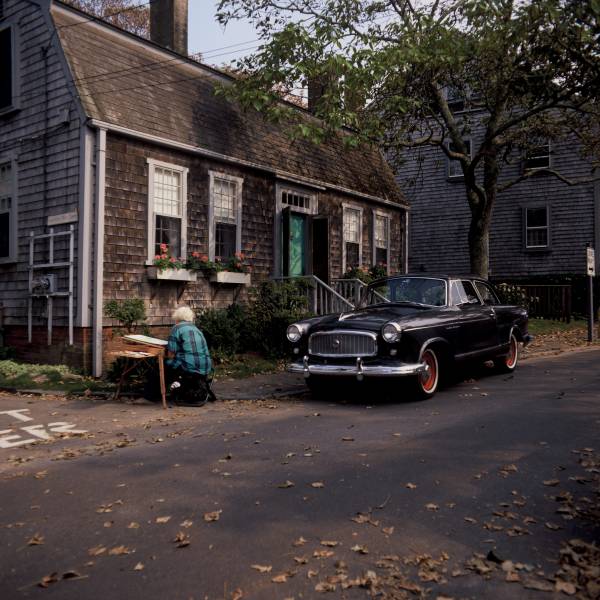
(183, 313)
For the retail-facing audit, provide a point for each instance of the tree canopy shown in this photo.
(412, 73)
(126, 14)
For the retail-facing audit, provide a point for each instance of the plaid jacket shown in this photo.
(189, 346)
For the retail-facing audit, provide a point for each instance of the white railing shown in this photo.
(321, 298)
(351, 289)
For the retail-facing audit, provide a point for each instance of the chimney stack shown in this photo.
(169, 24)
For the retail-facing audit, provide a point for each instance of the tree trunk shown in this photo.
(479, 242)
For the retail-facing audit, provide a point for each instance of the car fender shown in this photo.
(436, 340)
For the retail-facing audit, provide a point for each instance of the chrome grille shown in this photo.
(343, 343)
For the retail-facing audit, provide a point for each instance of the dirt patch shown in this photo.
(557, 342)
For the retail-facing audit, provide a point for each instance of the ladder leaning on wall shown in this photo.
(43, 280)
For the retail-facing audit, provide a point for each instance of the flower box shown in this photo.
(171, 274)
(230, 277)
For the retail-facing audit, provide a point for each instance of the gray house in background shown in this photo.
(540, 226)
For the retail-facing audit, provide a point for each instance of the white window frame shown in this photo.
(152, 164)
(548, 156)
(537, 228)
(455, 164)
(345, 207)
(16, 71)
(212, 223)
(13, 248)
(382, 215)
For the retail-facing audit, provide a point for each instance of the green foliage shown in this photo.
(224, 330)
(433, 72)
(365, 274)
(129, 313)
(6, 352)
(513, 294)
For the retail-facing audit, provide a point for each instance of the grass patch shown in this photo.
(246, 365)
(547, 326)
(24, 376)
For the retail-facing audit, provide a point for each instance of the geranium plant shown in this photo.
(366, 274)
(236, 263)
(164, 260)
(201, 262)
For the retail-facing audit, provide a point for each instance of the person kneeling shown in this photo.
(188, 365)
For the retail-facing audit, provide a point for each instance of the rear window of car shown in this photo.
(472, 297)
(487, 294)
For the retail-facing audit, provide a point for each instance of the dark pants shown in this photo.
(193, 388)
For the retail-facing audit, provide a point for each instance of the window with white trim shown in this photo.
(9, 92)
(301, 202)
(381, 239)
(225, 216)
(454, 166)
(537, 227)
(8, 213)
(538, 157)
(352, 226)
(167, 208)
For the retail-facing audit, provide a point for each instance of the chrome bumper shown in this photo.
(358, 370)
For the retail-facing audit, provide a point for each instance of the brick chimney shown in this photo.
(169, 24)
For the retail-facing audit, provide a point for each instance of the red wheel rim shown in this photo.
(513, 353)
(429, 377)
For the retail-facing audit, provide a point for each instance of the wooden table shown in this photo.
(133, 353)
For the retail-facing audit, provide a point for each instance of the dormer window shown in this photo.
(8, 73)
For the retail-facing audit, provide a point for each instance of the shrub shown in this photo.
(272, 307)
(513, 294)
(223, 330)
(129, 313)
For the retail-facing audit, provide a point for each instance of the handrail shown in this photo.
(325, 300)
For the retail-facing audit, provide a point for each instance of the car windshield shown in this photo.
(414, 290)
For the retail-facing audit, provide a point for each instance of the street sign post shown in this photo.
(591, 271)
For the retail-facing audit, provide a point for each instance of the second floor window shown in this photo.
(167, 209)
(454, 166)
(8, 79)
(225, 216)
(537, 227)
(538, 157)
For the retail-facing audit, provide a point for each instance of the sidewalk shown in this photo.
(260, 387)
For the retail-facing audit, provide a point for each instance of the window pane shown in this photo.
(167, 192)
(352, 255)
(381, 232)
(352, 225)
(224, 200)
(381, 256)
(225, 235)
(454, 168)
(295, 199)
(5, 180)
(537, 217)
(6, 83)
(537, 237)
(168, 231)
(471, 293)
(486, 293)
(538, 157)
(4, 235)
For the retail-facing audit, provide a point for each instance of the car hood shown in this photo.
(371, 318)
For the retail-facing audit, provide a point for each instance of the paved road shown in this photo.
(121, 508)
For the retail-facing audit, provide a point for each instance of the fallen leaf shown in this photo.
(552, 526)
(36, 540)
(360, 549)
(108, 524)
(182, 539)
(470, 520)
(139, 567)
(119, 550)
(565, 587)
(432, 506)
(512, 577)
(212, 516)
(325, 586)
(347, 439)
(551, 482)
(300, 560)
(48, 579)
(311, 573)
(262, 568)
(186, 523)
(133, 525)
(537, 584)
(323, 553)
(281, 578)
(317, 484)
(163, 519)
(237, 594)
(299, 542)
(329, 543)
(73, 575)
(97, 550)
(387, 530)
(286, 484)
(411, 486)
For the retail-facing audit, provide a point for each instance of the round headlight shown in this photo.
(390, 332)
(294, 333)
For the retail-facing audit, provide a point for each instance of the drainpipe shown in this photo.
(98, 301)
(406, 241)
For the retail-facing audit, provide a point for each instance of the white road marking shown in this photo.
(16, 414)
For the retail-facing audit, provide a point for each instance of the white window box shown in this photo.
(230, 277)
(171, 274)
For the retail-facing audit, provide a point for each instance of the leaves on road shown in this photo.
(286, 484)
(215, 515)
(182, 539)
(262, 568)
(36, 540)
(317, 484)
(163, 519)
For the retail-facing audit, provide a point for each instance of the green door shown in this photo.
(295, 234)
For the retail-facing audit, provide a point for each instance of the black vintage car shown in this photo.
(412, 326)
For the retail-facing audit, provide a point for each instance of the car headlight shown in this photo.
(390, 332)
(295, 332)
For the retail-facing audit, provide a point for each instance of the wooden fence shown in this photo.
(549, 301)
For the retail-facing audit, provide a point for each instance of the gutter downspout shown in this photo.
(406, 246)
(98, 300)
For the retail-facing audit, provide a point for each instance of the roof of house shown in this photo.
(132, 83)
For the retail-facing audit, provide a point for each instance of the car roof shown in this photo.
(444, 276)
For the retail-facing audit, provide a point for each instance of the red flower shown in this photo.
(204, 258)
(195, 254)
(157, 257)
(163, 247)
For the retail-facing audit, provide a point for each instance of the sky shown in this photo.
(215, 43)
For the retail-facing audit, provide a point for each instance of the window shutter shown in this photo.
(6, 71)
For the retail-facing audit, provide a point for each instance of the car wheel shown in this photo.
(426, 384)
(508, 363)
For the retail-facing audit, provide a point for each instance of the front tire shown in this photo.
(426, 384)
(508, 363)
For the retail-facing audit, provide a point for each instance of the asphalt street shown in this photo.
(471, 494)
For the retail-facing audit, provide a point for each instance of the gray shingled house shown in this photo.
(540, 226)
(111, 144)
